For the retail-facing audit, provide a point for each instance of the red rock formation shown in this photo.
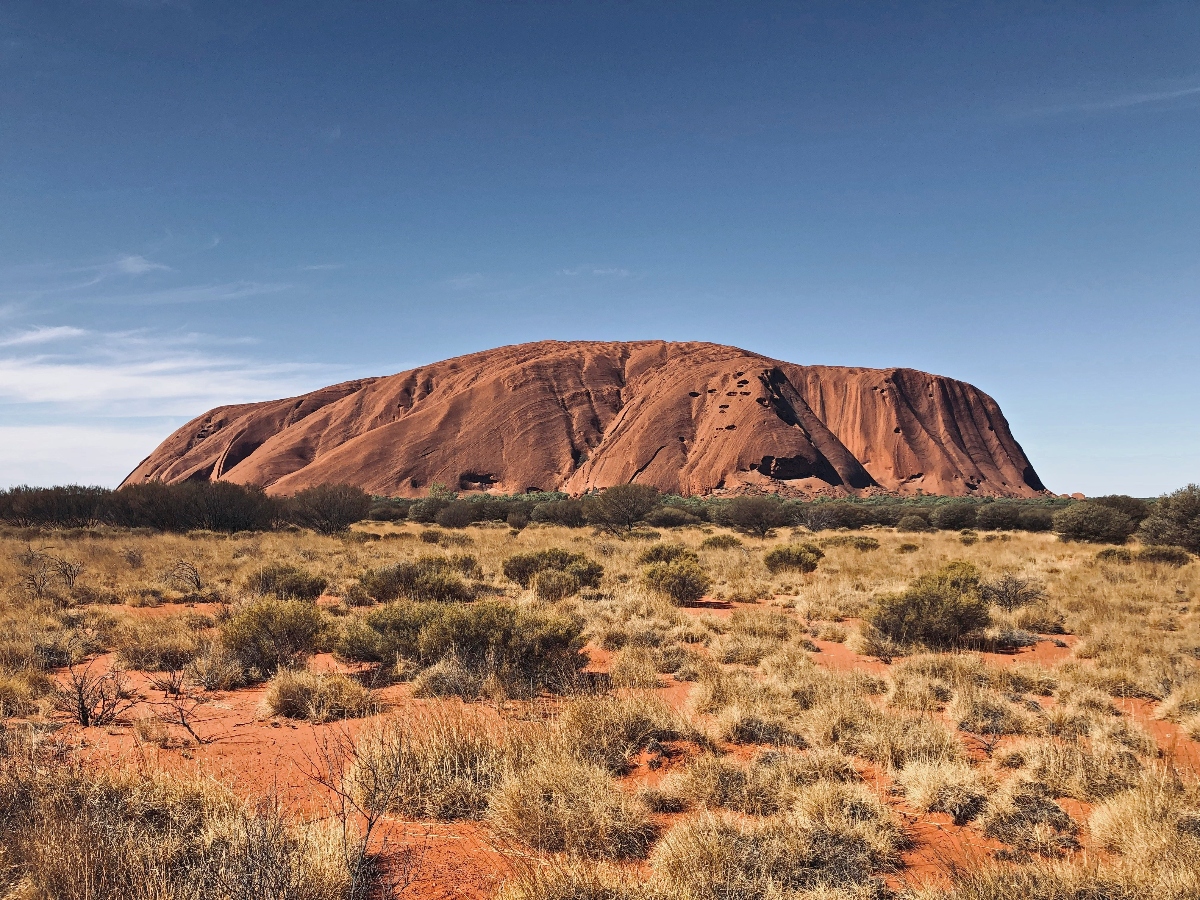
(685, 417)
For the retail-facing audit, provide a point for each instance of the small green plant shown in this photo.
(939, 609)
(681, 581)
(273, 634)
(661, 553)
(522, 567)
(720, 542)
(794, 558)
(286, 582)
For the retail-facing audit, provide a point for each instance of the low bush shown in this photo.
(522, 646)
(954, 516)
(682, 581)
(1011, 592)
(328, 508)
(859, 542)
(609, 731)
(720, 542)
(1093, 523)
(286, 582)
(316, 696)
(661, 553)
(793, 558)
(552, 585)
(939, 609)
(434, 765)
(1175, 520)
(950, 787)
(1164, 555)
(74, 832)
(163, 645)
(767, 784)
(913, 523)
(1025, 816)
(671, 517)
(272, 634)
(564, 804)
(1117, 555)
(428, 578)
(522, 567)
(756, 515)
(835, 837)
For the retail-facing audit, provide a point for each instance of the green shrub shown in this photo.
(533, 646)
(1117, 555)
(666, 553)
(552, 585)
(912, 523)
(458, 514)
(908, 548)
(937, 609)
(286, 582)
(270, 634)
(432, 578)
(794, 557)
(522, 567)
(1167, 556)
(998, 516)
(681, 581)
(954, 516)
(756, 515)
(671, 517)
(567, 513)
(720, 542)
(1093, 523)
(859, 542)
(621, 507)
(1175, 520)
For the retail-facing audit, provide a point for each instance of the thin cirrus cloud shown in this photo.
(1117, 101)
(137, 374)
(41, 335)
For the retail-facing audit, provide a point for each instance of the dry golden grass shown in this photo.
(789, 823)
(316, 696)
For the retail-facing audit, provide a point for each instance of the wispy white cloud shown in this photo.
(137, 265)
(463, 282)
(597, 271)
(139, 374)
(321, 267)
(40, 335)
(1117, 101)
(208, 293)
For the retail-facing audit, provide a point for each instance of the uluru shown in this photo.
(686, 417)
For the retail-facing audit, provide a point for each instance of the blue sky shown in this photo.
(207, 203)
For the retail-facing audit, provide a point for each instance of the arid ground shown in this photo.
(259, 705)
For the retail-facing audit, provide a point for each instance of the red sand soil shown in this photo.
(258, 756)
(688, 418)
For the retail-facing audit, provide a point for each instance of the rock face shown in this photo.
(688, 418)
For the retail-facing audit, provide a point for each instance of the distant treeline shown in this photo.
(191, 506)
(222, 506)
(668, 510)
